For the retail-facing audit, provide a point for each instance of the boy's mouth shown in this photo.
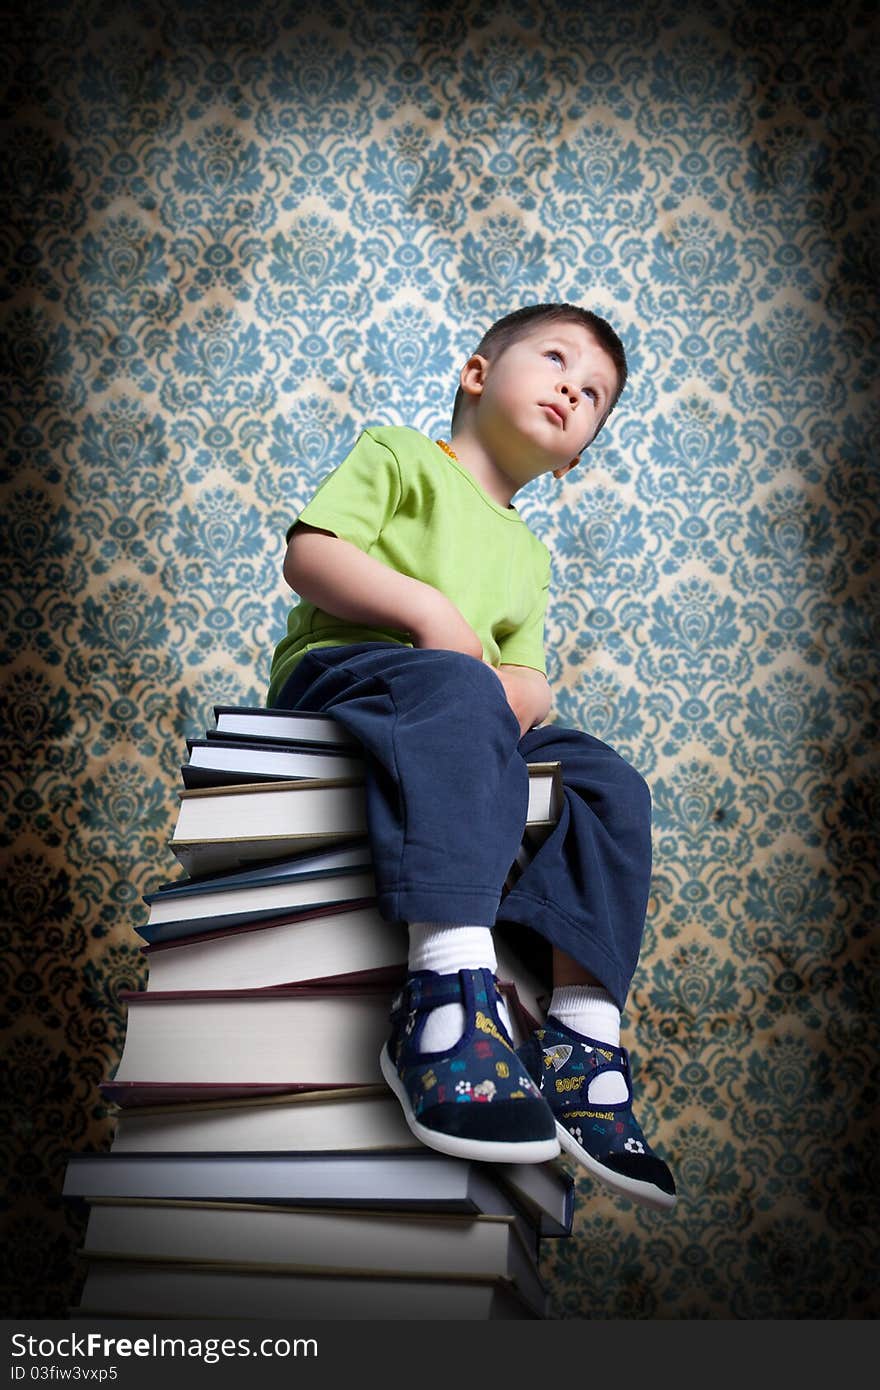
(556, 411)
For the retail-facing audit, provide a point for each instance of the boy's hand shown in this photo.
(442, 626)
(336, 576)
(528, 694)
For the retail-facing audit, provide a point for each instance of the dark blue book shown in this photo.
(263, 891)
(416, 1181)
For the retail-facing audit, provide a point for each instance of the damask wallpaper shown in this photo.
(232, 235)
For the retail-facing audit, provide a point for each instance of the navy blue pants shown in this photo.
(447, 792)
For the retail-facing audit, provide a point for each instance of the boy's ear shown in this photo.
(472, 376)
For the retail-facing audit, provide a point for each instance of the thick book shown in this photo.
(296, 1035)
(302, 1036)
(419, 1181)
(223, 827)
(259, 892)
(120, 1288)
(228, 827)
(281, 725)
(219, 761)
(308, 1240)
(347, 943)
(354, 1118)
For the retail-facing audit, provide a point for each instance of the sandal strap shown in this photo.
(427, 990)
(603, 1057)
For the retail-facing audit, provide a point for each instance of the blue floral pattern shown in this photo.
(231, 236)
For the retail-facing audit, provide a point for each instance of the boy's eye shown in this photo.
(588, 391)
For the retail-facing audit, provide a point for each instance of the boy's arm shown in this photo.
(336, 576)
(528, 694)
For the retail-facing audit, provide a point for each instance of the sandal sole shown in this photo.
(645, 1193)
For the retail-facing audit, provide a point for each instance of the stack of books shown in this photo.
(260, 1167)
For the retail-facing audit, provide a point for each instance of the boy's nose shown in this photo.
(570, 395)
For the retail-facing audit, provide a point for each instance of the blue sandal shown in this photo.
(606, 1139)
(475, 1100)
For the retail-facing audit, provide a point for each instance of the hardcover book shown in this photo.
(224, 827)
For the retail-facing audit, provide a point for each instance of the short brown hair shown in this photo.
(514, 326)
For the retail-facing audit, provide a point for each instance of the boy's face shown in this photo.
(541, 401)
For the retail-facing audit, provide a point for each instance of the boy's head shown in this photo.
(586, 368)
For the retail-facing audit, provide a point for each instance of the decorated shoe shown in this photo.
(476, 1099)
(606, 1139)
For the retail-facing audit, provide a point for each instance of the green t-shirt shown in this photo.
(400, 498)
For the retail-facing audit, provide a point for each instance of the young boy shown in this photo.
(420, 628)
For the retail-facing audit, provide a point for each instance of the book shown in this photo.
(364, 1120)
(129, 1289)
(287, 1037)
(352, 1118)
(277, 725)
(347, 942)
(293, 1035)
(544, 1191)
(337, 942)
(259, 891)
(223, 761)
(224, 827)
(308, 1240)
(422, 1180)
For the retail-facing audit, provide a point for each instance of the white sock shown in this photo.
(447, 948)
(591, 1011)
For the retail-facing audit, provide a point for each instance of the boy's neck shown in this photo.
(473, 456)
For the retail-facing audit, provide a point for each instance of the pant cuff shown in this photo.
(454, 905)
(573, 939)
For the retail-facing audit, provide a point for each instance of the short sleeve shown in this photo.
(359, 497)
(525, 645)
